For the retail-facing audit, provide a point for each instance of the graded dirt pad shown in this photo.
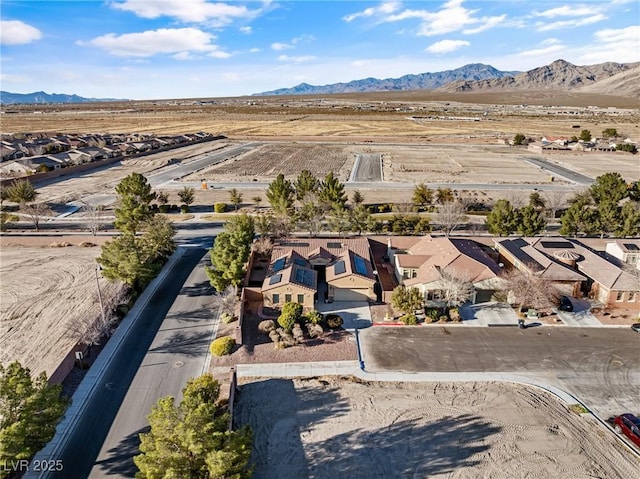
(45, 291)
(330, 428)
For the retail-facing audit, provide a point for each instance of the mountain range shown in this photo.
(608, 78)
(8, 98)
(421, 81)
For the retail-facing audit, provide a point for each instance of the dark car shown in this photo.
(636, 327)
(629, 425)
(565, 304)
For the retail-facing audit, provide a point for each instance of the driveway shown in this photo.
(580, 316)
(486, 314)
(356, 314)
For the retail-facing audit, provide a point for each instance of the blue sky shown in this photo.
(152, 49)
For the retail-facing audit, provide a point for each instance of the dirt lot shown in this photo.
(45, 290)
(328, 427)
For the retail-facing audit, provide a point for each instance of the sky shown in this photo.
(162, 49)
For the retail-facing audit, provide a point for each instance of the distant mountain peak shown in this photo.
(420, 81)
(8, 98)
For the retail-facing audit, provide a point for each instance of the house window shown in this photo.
(276, 299)
(633, 259)
(287, 298)
(620, 296)
(301, 298)
(633, 296)
(414, 273)
(405, 274)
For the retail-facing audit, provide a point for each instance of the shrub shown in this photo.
(222, 346)
(266, 326)
(432, 314)
(314, 317)
(409, 319)
(174, 207)
(334, 321)
(219, 207)
(444, 318)
(454, 314)
(227, 318)
(274, 336)
(286, 338)
(184, 209)
(291, 314)
(163, 208)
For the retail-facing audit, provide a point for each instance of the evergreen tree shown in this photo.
(444, 195)
(230, 252)
(502, 220)
(580, 216)
(30, 410)
(422, 195)
(356, 198)
(529, 221)
(280, 194)
(359, 218)
(331, 193)
(20, 191)
(191, 439)
(536, 200)
(629, 224)
(406, 299)
(235, 198)
(585, 135)
(187, 195)
(519, 139)
(134, 203)
(609, 187)
(305, 184)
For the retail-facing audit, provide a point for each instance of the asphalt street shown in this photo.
(598, 365)
(86, 438)
(178, 352)
(560, 171)
(367, 167)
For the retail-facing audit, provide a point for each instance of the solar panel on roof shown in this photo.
(304, 276)
(279, 264)
(334, 245)
(361, 266)
(556, 244)
(339, 267)
(276, 278)
(631, 246)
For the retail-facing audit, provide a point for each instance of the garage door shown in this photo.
(350, 294)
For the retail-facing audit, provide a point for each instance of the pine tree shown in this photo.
(230, 252)
(134, 203)
(502, 219)
(306, 183)
(529, 221)
(331, 193)
(280, 194)
(30, 410)
(609, 187)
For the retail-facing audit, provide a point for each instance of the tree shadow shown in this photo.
(193, 315)
(203, 288)
(119, 459)
(188, 344)
(276, 412)
(403, 449)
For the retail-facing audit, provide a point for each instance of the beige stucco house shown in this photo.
(307, 270)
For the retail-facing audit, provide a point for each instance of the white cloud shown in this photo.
(15, 32)
(446, 46)
(296, 59)
(194, 11)
(384, 9)
(9, 78)
(277, 46)
(619, 45)
(246, 30)
(451, 17)
(576, 22)
(255, 50)
(161, 41)
(569, 11)
(539, 52)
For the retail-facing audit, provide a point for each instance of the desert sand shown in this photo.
(335, 428)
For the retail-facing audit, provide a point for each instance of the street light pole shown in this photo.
(100, 295)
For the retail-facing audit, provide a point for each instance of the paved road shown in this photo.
(560, 171)
(170, 173)
(80, 447)
(598, 365)
(178, 352)
(367, 167)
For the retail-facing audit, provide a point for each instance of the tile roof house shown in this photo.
(605, 282)
(302, 268)
(625, 251)
(425, 262)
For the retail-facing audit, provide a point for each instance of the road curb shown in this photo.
(87, 388)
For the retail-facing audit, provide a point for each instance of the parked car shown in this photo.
(565, 304)
(629, 425)
(636, 327)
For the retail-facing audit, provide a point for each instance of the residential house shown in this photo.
(625, 251)
(429, 263)
(306, 270)
(605, 281)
